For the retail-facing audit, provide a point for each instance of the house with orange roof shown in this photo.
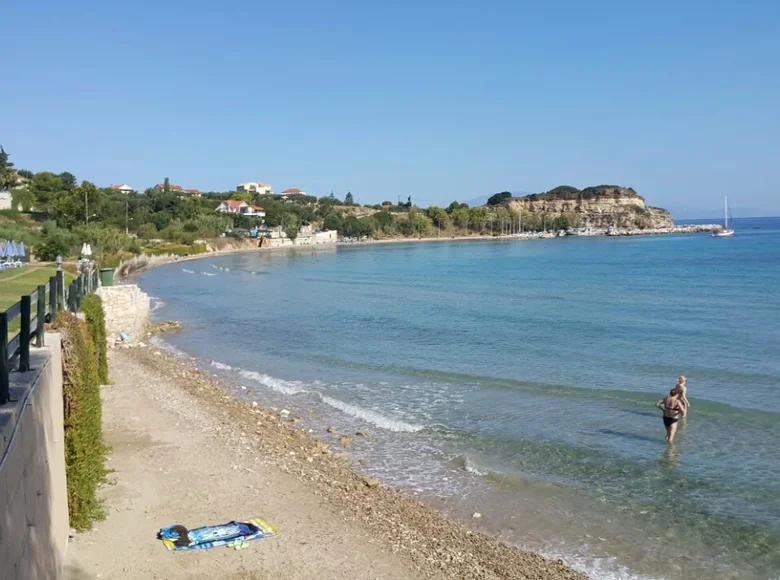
(123, 188)
(294, 191)
(237, 206)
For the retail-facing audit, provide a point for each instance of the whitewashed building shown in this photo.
(236, 206)
(254, 187)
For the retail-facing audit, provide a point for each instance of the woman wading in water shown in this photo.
(673, 409)
(683, 393)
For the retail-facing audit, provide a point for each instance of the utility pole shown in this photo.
(86, 208)
(126, 212)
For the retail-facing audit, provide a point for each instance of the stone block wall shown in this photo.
(127, 309)
(33, 493)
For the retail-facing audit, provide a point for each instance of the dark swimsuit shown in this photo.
(669, 421)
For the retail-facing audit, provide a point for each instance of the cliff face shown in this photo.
(598, 207)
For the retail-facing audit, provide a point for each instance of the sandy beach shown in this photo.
(184, 451)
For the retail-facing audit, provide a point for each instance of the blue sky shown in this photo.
(439, 100)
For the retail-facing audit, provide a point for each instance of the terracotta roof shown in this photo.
(234, 203)
(293, 190)
(173, 187)
(257, 208)
(122, 187)
(191, 191)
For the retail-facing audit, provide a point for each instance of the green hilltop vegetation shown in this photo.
(55, 214)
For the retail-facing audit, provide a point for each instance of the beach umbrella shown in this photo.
(89, 251)
(22, 250)
(2, 249)
(10, 250)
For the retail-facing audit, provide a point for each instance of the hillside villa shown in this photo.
(235, 206)
(293, 191)
(180, 190)
(123, 188)
(254, 187)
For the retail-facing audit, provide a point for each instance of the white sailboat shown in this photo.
(725, 232)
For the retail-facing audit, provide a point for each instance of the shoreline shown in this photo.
(155, 261)
(436, 545)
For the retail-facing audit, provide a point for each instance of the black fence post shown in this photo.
(41, 316)
(53, 298)
(24, 335)
(72, 290)
(60, 290)
(4, 382)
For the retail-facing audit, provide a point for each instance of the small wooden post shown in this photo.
(41, 316)
(4, 382)
(24, 335)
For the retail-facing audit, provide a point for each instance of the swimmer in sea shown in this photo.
(683, 394)
(673, 409)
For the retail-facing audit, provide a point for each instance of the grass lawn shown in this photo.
(16, 282)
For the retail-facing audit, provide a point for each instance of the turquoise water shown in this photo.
(517, 378)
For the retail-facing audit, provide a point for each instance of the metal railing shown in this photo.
(48, 299)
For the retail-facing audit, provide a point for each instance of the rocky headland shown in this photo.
(602, 206)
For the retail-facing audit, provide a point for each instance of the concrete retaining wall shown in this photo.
(127, 310)
(33, 494)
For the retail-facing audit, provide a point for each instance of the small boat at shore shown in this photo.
(725, 232)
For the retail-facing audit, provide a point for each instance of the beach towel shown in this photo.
(234, 534)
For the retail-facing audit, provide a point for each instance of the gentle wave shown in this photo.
(208, 274)
(704, 408)
(467, 464)
(157, 303)
(296, 388)
(186, 271)
(220, 366)
(278, 385)
(601, 568)
(372, 417)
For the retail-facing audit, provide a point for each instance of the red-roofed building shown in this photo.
(172, 186)
(180, 190)
(294, 191)
(123, 188)
(236, 206)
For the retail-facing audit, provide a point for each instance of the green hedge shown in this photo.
(85, 452)
(92, 306)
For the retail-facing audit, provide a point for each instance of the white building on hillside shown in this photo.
(240, 207)
(293, 191)
(5, 200)
(254, 187)
(123, 188)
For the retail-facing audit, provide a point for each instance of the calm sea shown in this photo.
(517, 379)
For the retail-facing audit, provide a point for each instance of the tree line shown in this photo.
(59, 213)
